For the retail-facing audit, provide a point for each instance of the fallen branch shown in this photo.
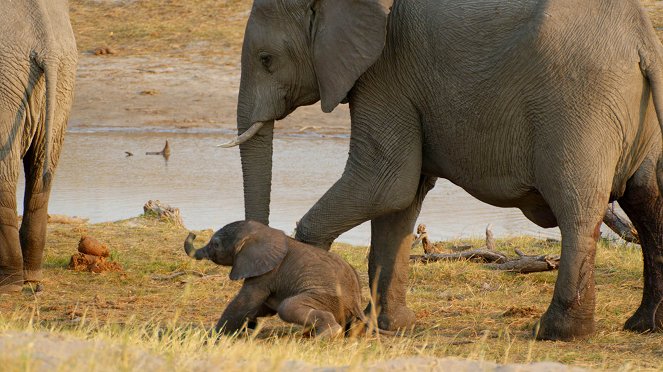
(621, 226)
(178, 274)
(475, 255)
(525, 264)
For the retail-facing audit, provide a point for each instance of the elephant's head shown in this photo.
(295, 53)
(251, 248)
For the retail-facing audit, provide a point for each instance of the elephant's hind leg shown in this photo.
(297, 310)
(11, 261)
(643, 204)
(35, 210)
(391, 241)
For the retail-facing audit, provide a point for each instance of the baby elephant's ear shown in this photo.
(259, 252)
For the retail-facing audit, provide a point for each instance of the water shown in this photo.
(97, 181)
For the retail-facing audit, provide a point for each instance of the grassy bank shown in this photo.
(464, 310)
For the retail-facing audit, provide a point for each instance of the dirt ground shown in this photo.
(185, 92)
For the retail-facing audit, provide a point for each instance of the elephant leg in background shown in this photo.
(297, 310)
(391, 240)
(643, 204)
(11, 261)
(35, 209)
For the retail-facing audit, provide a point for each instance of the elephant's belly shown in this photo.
(502, 181)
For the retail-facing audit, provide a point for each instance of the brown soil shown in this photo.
(93, 264)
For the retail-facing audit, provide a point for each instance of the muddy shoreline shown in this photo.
(190, 93)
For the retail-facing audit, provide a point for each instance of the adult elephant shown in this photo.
(38, 60)
(543, 105)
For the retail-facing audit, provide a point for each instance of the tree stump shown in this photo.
(163, 212)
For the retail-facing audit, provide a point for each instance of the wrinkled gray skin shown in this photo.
(304, 285)
(38, 60)
(542, 105)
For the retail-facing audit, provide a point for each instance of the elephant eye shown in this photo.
(265, 60)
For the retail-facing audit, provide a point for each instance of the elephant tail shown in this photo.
(50, 68)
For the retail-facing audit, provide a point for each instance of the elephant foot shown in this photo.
(646, 319)
(329, 332)
(32, 276)
(11, 283)
(556, 325)
(394, 319)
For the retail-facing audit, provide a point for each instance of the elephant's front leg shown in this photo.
(391, 240)
(245, 307)
(381, 175)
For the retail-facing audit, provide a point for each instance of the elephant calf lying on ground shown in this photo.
(305, 285)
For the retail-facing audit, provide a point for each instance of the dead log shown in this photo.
(163, 212)
(526, 264)
(495, 260)
(621, 226)
(475, 255)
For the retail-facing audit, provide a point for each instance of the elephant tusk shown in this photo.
(244, 136)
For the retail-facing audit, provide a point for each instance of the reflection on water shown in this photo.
(96, 180)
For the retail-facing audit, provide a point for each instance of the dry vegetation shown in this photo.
(464, 310)
(213, 27)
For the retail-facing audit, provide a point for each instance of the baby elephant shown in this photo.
(303, 284)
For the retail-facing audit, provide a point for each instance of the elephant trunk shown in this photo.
(256, 154)
(191, 251)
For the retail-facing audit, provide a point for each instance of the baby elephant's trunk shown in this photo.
(190, 250)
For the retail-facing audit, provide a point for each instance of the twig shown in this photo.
(178, 274)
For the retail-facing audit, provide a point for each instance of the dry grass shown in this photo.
(161, 26)
(210, 27)
(463, 309)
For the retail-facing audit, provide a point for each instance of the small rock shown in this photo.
(102, 51)
(149, 92)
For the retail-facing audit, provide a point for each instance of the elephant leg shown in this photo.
(381, 175)
(297, 310)
(262, 312)
(11, 260)
(579, 212)
(643, 204)
(35, 212)
(391, 241)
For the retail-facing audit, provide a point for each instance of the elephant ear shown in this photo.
(259, 252)
(347, 38)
